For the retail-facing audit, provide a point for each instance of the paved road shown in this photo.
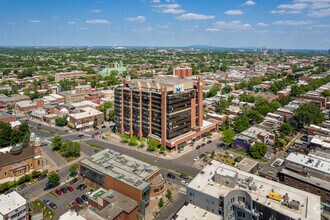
(173, 207)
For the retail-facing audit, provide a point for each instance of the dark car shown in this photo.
(22, 187)
(74, 181)
(64, 189)
(50, 186)
(183, 176)
(304, 138)
(73, 174)
(96, 151)
(198, 146)
(209, 142)
(203, 144)
(201, 156)
(42, 176)
(84, 197)
(52, 205)
(80, 135)
(81, 187)
(103, 126)
(79, 201)
(171, 175)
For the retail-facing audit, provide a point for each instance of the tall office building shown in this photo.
(166, 109)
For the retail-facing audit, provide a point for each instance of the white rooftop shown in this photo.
(71, 215)
(11, 202)
(324, 142)
(315, 163)
(87, 112)
(191, 212)
(205, 183)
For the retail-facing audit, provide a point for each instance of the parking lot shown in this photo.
(63, 200)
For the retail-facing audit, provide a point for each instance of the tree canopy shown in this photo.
(228, 136)
(308, 113)
(258, 150)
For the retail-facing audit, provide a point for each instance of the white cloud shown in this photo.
(234, 12)
(292, 23)
(173, 11)
(320, 13)
(35, 21)
(212, 29)
(155, 1)
(136, 19)
(56, 17)
(282, 12)
(193, 16)
(295, 6)
(262, 32)
(71, 22)
(162, 26)
(280, 32)
(232, 25)
(261, 24)
(83, 28)
(250, 3)
(170, 0)
(98, 21)
(167, 6)
(142, 30)
(95, 11)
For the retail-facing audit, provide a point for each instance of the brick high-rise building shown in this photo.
(182, 72)
(166, 109)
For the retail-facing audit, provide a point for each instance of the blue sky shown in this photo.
(300, 24)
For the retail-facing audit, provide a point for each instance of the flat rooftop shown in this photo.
(86, 112)
(11, 202)
(122, 167)
(192, 212)
(205, 183)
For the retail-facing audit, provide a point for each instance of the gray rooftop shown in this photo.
(122, 167)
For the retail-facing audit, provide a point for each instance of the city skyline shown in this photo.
(286, 24)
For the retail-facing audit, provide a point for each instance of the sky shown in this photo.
(286, 24)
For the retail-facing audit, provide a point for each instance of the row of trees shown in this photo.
(152, 145)
(67, 148)
(9, 136)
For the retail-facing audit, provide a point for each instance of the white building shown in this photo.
(13, 206)
(234, 194)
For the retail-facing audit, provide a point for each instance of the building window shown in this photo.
(5, 173)
(156, 190)
(207, 200)
(38, 162)
(318, 192)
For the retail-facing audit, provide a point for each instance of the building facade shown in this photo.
(13, 206)
(166, 109)
(182, 72)
(86, 118)
(69, 75)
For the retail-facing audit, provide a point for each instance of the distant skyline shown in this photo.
(286, 24)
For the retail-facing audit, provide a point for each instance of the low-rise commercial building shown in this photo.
(234, 194)
(85, 118)
(69, 75)
(131, 177)
(13, 206)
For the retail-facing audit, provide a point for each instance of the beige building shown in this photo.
(69, 75)
(86, 118)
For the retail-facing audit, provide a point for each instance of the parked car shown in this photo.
(203, 144)
(183, 182)
(183, 176)
(103, 126)
(209, 142)
(42, 176)
(22, 187)
(80, 201)
(171, 175)
(96, 151)
(46, 201)
(196, 159)
(69, 188)
(202, 155)
(80, 135)
(198, 146)
(58, 192)
(84, 197)
(64, 189)
(52, 205)
(81, 187)
(50, 186)
(73, 174)
(74, 181)
(96, 133)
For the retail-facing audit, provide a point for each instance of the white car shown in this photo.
(196, 159)
(183, 182)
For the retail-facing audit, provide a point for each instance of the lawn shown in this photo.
(246, 155)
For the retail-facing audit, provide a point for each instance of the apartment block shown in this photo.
(182, 72)
(236, 195)
(166, 109)
(69, 75)
(13, 206)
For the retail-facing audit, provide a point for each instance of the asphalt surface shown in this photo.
(172, 207)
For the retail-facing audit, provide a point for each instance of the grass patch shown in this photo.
(95, 146)
(39, 207)
(246, 155)
(53, 194)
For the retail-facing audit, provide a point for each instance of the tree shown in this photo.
(73, 168)
(169, 194)
(326, 93)
(161, 203)
(241, 123)
(226, 90)
(152, 145)
(222, 105)
(212, 92)
(258, 150)
(133, 141)
(53, 178)
(254, 116)
(308, 113)
(10, 106)
(61, 121)
(162, 148)
(70, 149)
(5, 134)
(228, 136)
(286, 128)
(57, 143)
(124, 138)
(95, 124)
(111, 115)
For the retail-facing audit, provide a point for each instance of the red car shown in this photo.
(96, 133)
(69, 188)
(58, 192)
(74, 203)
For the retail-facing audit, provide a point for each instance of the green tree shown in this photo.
(241, 123)
(133, 141)
(169, 195)
(212, 92)
(222, 105)
(226, 90)
(228, 136)
(152, 145)
(161, 203)
(254, 116)
(111, 115)
(95, 124)
(70, 149)
(258, 150)
(326, 93)
(53, 178)
(57, 143)
(5, 134)
(124, 138)
(286, 129)
(61, 121)
(10, 106)
(73, 168)
(162, 148)
(308, 113)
